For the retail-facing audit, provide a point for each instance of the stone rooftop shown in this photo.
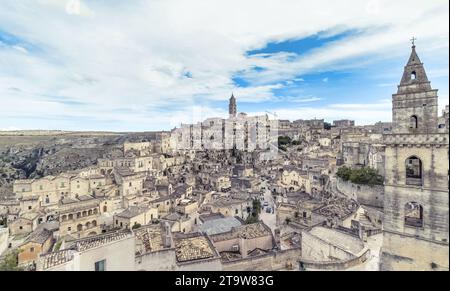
(226, 201)
(246, 231)
(57, 258)
(99, 240)
(39, 236)
(340, 207)
(150, 237)
(131, 211)
(193, 248)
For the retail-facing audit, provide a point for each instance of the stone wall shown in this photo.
(316, 249)
(334, 265)
(271, 261)
(163, 260)
(213, 264)
(364, 194)
(400, 252)
(4, 233)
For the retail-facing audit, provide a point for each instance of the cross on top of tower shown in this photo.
(413, 40)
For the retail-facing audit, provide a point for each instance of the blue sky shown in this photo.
(143, 65)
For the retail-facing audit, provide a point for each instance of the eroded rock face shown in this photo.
(25, 156)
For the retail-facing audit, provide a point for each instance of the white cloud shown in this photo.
(361, 113)
(129, 60)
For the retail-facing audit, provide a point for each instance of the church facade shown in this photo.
(416, 199)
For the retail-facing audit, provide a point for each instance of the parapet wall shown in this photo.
(280, 260)
(364, 194)
(334, 265)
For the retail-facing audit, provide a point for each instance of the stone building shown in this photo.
(79, 217)
(135, 216)
(39, 242)
(241, 241)
(239, 131)
(107, 252)
(343, 123)
(416, 220)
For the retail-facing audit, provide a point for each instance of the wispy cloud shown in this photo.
(143, 63)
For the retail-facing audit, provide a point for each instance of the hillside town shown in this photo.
(249, 193)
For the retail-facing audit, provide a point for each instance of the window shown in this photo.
(40, 187)
(29, 207)
(413, 75)
(69, 228)
(100, 266)
(413, 122)
(31, 250)
(79, 227)
(105, 209)
(236, 211)
(20, 227)
(413, 214)
(413, 171)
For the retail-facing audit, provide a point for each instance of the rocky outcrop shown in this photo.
(35, 156)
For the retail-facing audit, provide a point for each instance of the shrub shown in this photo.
(363, 176)
(284, 140)
(10, 261)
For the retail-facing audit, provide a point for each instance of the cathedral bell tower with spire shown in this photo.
(232, 107)
(416, 186)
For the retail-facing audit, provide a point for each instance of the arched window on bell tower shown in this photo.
(413, 214)
(413, 122)
(413, 75)
(413, 171)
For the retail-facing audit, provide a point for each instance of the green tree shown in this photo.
(327, 125)
(10, 262)
(253, 217)
(344, 173)
(363, 176)
(284, 140)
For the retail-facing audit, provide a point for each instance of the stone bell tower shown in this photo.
(232, 107)
(415, 106)
(416, 199)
